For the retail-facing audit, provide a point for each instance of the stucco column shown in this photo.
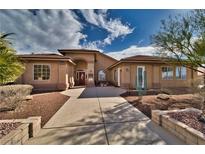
(90, 71)
(62, 76)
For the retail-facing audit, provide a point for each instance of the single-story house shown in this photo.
(73, 67)
(149, 72)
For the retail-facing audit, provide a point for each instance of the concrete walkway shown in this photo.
(98, 115)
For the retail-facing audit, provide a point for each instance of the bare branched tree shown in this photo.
(181, 40)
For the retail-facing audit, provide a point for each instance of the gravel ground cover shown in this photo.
(6, 128)
(44, 105)
(190, 119)
(148, 103)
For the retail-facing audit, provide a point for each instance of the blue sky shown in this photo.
(118, 33)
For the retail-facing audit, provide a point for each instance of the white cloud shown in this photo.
(92, 45)
(47, 30)
(132, 51)
(115, 27)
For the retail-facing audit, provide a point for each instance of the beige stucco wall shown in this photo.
(88, 57)
(102, 62)
(63, 74)
(84, 62)
(60, 75)
(154, 76)
(93, 63)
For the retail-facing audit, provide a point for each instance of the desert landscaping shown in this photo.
(45, 104)
(96, 91)
(163, 102)
(178, 113)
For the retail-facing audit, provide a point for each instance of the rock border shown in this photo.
(29, 128)
(179, 129)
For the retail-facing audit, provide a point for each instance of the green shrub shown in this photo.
(12, 95)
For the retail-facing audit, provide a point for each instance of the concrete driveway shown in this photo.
(98, 115)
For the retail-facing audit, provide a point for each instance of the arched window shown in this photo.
(101, 75)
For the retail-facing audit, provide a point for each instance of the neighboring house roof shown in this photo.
(54, 57)
(139, 59)
(64, 51)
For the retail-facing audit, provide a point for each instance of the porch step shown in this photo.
(90, 85)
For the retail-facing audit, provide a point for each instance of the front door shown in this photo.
(81, 78)
(140, 77)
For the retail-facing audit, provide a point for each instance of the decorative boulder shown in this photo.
(163, 96)
(29, 97)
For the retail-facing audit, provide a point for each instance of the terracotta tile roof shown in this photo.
(142, 58)
(46, 56)
(139, 59)
(62, 51)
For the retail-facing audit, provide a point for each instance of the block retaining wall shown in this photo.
(29, 128)
(179, 129)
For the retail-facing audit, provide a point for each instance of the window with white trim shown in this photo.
(167, 73)
(41, 72)
(181, 73)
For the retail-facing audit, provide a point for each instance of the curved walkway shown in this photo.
(98, 115)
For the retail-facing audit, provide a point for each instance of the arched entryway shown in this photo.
(101, 75)
(80, 72)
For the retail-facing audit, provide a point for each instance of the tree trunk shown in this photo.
(203, 108)
(203, 93)
(202, 116)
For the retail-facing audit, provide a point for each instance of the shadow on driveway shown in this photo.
(117, 129)
(93, 92)
(117, 123)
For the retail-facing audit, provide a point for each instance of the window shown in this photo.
(167, 73)
(115, 75)
(101, 75)
(181, 73)
(41, 72)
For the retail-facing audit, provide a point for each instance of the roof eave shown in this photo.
(46, 59)
(63, 51)
(138, 61)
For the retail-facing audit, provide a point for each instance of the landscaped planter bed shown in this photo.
(182, 123)
(189, 118)
(18, 131)
(44, 105)
(6, 128)
(148, 103)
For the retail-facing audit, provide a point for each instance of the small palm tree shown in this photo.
(10, 66)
